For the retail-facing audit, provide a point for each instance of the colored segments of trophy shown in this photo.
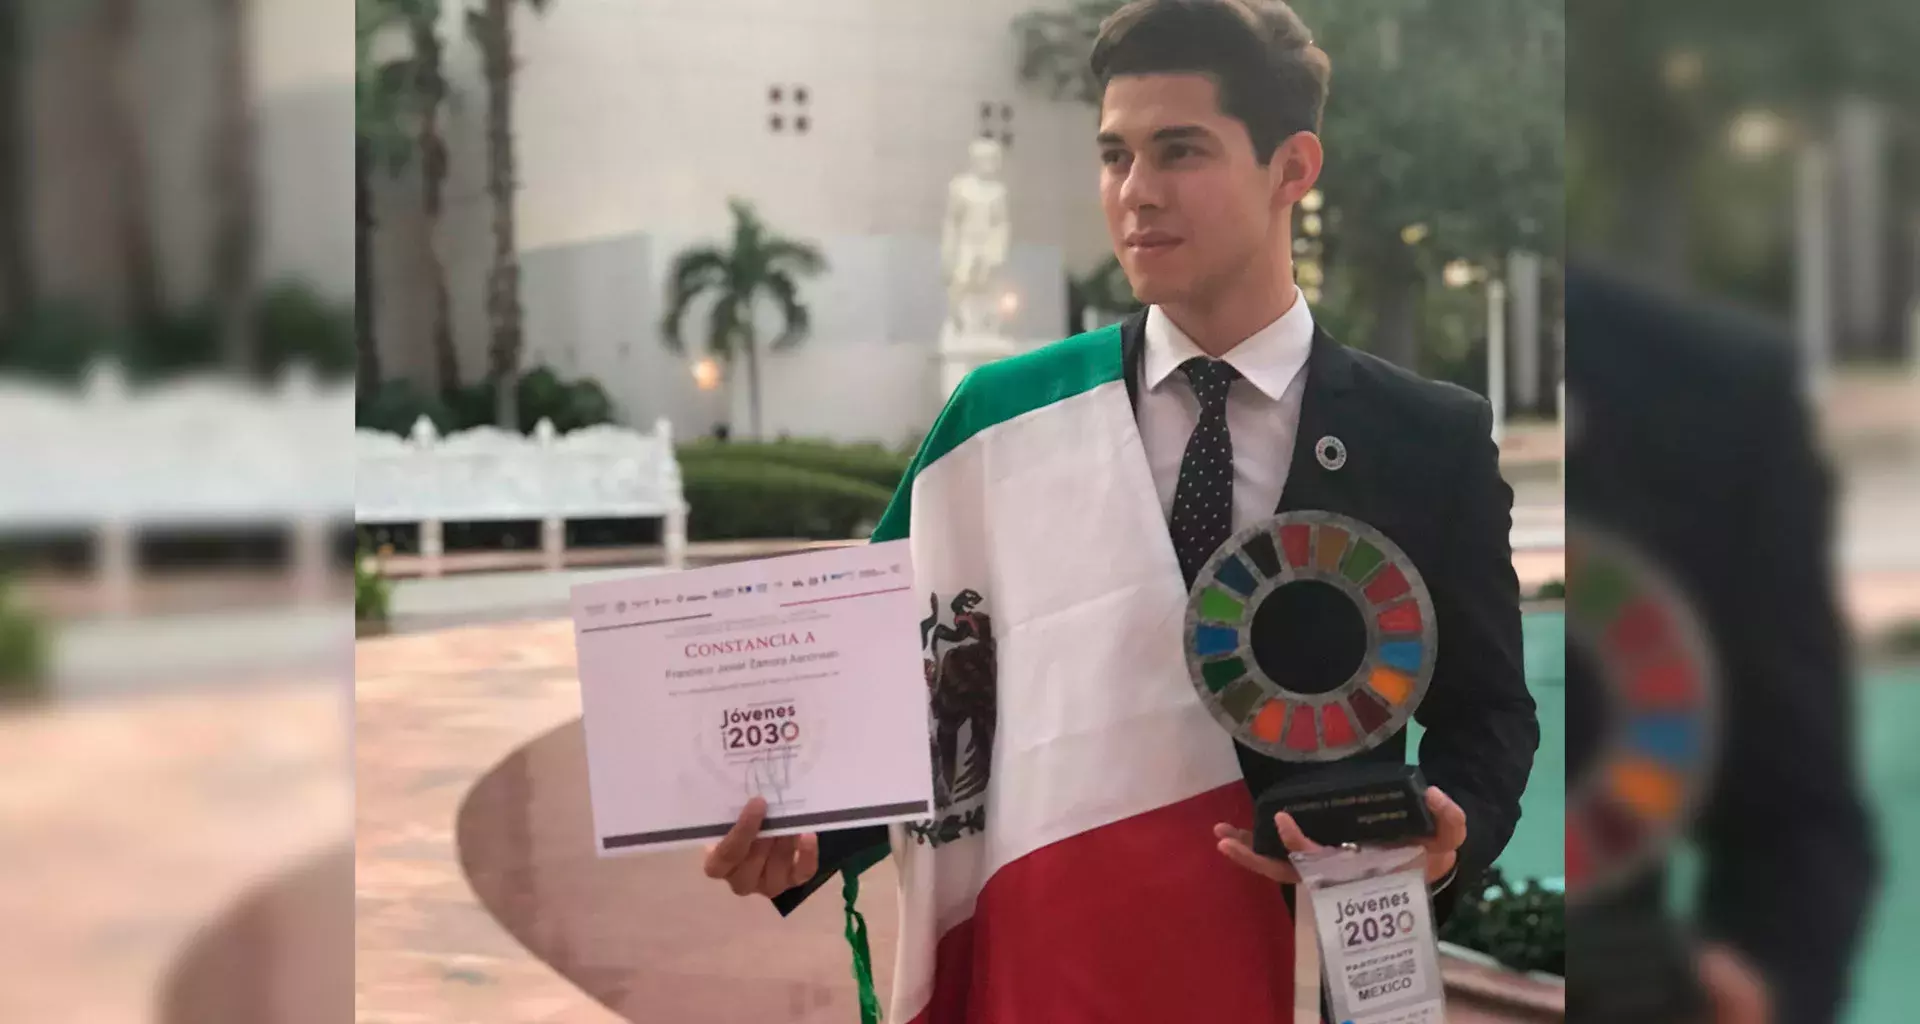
(1655, 721)
(1253, 701)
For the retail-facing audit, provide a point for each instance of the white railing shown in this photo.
(113, 460)
(491, 475)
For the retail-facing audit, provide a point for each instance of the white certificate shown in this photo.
(797, 679)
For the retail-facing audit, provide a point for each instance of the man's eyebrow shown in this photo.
(1180, 131)
(1169, 134)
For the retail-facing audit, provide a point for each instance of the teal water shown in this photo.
(1885, 987)
(1539, 841)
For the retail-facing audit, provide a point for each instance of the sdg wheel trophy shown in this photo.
(1274, 620)
(1642, 717)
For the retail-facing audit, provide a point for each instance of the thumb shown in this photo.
(1449, 820)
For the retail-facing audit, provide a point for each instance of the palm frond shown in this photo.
(695, 271)
(480, 28)
(1053, 48)
(757, 261)
(380, 120)
(785, 256)
(414, 11)
(749, 239)
(396, 79)
(797, 318)
(745, 217)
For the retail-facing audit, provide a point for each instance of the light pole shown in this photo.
(1460, 274)
(1497, 354)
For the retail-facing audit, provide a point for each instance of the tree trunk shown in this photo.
(235, 188)
(367, 375)
(1655, 228)
(433, 181)
(17, 286)
(503, 285)
(129, 164)
(750, 348)
(1395, 287)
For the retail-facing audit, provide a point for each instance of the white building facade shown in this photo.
(842, 121)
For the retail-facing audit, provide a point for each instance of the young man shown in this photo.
(1089, 857)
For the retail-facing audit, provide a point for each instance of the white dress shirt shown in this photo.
(1263, 407)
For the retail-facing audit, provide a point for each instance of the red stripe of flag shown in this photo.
(1141, 920)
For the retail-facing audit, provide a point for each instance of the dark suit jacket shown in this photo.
(1423, 469)
(1692, 442)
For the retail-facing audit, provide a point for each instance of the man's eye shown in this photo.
(1176, 152)
(1112, 156)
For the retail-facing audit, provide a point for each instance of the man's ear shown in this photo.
(1295, 168)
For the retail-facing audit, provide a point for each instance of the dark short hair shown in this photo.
(1271, 77)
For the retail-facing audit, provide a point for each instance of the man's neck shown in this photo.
(1217, 327)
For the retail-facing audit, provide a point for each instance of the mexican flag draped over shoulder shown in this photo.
(1069, 872)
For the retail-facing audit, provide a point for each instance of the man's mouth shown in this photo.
(1151, 241)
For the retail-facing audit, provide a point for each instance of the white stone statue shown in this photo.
(973, 244)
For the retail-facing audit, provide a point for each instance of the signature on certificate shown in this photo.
(769, 775)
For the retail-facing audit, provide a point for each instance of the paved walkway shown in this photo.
(475, 864)
(436, 714)
(131, 825)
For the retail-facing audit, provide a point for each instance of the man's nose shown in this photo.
(1141, 188)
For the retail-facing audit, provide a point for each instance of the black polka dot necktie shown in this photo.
(1203, 500)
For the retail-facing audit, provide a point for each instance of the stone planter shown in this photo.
(1482, 991)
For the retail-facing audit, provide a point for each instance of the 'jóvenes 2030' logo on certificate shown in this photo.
(759, 727)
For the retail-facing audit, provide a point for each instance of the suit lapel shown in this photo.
(1133, 346)
(1326, 410)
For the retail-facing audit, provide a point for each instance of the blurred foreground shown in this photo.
(1743, 375)
(175, 400)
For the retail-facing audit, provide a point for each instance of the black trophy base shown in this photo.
(1630, 965)
(1372, 802)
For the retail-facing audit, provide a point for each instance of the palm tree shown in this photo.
(757, 262)
(1054, 45)
(429, 88)
(367, 365)
(134, 228)
(236, 232)
(16, 260)
(399, 108)
(491, 27)
(379, 144)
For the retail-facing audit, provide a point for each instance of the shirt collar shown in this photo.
(1269, 359)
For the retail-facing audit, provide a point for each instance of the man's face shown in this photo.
(1189, 208)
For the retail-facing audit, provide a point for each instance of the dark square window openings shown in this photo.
(787, 108)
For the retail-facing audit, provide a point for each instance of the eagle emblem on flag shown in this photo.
(957, 650)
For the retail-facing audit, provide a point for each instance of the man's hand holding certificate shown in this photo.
(752, 702)
(751, 863)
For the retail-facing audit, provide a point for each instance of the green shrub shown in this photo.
(178, 341)
(1523, 927)
(372, 591)
(23, 650)
(290, 322)
(1551, 590)
(296, 324)
(1903, 639)
(396, 404)
(57, 341)
(871, 463)
(735, 500)
(571, 406)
